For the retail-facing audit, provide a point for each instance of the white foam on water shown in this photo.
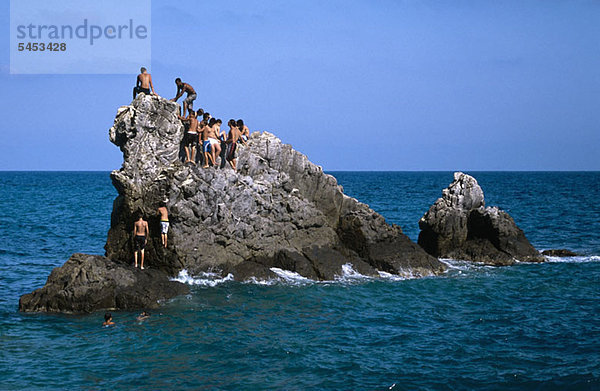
(577, 259)
(203, 279)
(351, 275)
(290, 277)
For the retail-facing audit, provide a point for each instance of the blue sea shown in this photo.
(524, 327)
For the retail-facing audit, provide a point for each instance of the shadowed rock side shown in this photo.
(86, 283)
(278, 210)
(459, 226)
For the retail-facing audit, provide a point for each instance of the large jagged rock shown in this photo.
(277, 210)
(86, 283)
(459, 226)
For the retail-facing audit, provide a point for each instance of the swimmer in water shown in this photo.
(108, 320)
(143, 316)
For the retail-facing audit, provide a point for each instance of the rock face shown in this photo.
(86, 283)
(277, 210)
(459, 226)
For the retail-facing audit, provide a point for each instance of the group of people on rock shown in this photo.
(203, 139)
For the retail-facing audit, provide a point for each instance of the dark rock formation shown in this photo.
(86, 283)
(559, 253)
(278, 210)
(459, 226)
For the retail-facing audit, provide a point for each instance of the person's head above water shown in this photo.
(107, 316)
(142, 70)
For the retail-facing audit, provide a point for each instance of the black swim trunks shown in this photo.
(137, 90)
(190, 139)
(139, 242)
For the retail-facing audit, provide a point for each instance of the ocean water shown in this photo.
(525, 327)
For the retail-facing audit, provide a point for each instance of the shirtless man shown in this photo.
(213, 139)
(140, 238)
(190, 138)
(164, 222)
(203, 134)
(188, 102)
(232, 139)
(143, 84)
(244, 131)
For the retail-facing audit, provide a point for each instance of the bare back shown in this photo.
(234, 135)
(164, 214)
(193, 125)
(145, 79)
(211, 132)
(140, 228)
(188, 88)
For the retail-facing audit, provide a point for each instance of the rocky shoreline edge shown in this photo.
(278, 210)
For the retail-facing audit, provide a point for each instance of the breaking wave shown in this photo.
(202, 279)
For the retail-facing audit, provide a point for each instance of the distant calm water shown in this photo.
(522, 327)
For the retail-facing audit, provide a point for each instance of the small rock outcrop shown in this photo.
(86, 283)
(459, 226)
(561, 252)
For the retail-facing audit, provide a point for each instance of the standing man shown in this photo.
(143, 84)
(140, 238)
(188, 102)
(190, 138)
(164, 222)
(232, 139)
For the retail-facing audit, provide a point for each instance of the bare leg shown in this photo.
(206, 158)
(142, 264)
(135, 257)
(187, 153)
(193, 159)
(164, 239)
(217, 151)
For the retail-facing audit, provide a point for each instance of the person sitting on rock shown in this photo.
(140, 238)
(231, 142)
(164, 222)
(143, 83)
(244, 131)
(108, 320)
(190, 138)
(188, 102)
(213, 139)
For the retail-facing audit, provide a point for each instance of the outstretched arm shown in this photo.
(179, 93)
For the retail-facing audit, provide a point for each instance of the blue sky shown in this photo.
(355, 85)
